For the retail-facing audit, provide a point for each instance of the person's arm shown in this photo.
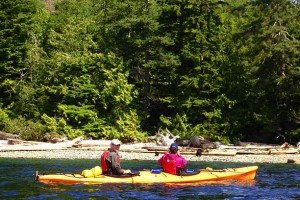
(181, 162)
(115, 165)
(184, 162)
(116, 168)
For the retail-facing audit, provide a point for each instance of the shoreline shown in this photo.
(94, 148)
(95, 155)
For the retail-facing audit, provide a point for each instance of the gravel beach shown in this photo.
(127, 152)
(95, 154)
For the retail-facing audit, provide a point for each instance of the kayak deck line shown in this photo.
(242, 173)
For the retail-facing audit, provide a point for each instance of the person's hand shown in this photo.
(127, 171)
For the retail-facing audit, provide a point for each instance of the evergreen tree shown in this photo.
(133, 32)
(268, 46)
(88, 89)
(226, 70)
(197, 32)
(21, 28)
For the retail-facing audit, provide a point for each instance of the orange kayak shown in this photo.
(243, 173)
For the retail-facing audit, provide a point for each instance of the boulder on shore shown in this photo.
(294, 161)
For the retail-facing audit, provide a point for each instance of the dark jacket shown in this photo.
(113, 162)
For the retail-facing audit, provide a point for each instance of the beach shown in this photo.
(139, 151)
(95, 155)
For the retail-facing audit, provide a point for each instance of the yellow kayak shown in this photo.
(147, 176)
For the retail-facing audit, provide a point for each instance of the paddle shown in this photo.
(36, 176)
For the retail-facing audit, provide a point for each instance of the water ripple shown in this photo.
(273, 181)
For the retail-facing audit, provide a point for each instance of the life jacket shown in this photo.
(103, 161)
(104, 165)
(169, 164)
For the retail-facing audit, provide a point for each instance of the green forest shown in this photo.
(225, 70)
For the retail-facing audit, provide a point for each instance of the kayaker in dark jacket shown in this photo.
(110, 160)
(172, 162)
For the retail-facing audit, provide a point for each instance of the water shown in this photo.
(273, 181)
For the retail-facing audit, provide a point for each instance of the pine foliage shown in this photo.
(225, 70)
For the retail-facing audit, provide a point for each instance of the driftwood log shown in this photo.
(15, 145)
(5, 136)
(222, 150)
(22, 142)
(164, 138)
(231, 150)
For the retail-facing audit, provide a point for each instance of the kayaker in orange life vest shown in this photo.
(172, 162)
(110, 160)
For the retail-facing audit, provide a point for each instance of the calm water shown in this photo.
(273, 181)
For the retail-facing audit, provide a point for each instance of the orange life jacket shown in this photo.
(104, 166)
(169, 164)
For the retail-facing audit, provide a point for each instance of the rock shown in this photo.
(199, 153)
(200, 142)
(182, 142)
(294, 161)
(196, 141)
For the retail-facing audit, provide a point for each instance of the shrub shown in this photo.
(27, 130)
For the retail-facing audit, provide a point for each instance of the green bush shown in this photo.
(4, 118)
(179, 126)
(60, 127)
(27, 130)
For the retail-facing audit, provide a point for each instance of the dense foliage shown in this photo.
(225, 70)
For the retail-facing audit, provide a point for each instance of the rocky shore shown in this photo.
(141, 151)
(95, 154)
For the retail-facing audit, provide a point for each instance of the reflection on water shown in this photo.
(273, 181)
(215, 183)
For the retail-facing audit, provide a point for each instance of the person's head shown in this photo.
(173, 148)
(115, 144)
